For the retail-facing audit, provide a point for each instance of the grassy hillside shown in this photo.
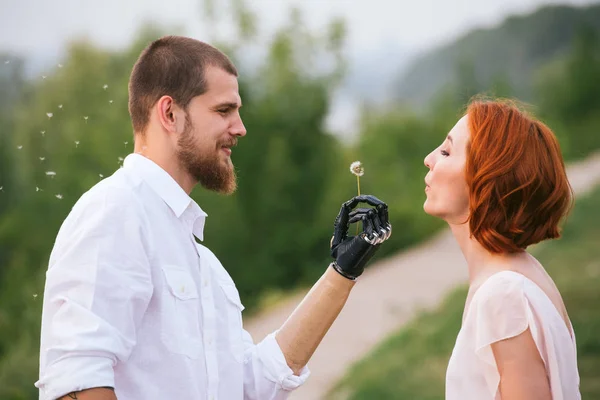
(507, 54)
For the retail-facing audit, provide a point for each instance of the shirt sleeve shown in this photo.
(98, 286)
(266, 373)
(502, 311)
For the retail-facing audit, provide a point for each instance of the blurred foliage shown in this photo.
(515, 49)
(411, 364)
(273, 234)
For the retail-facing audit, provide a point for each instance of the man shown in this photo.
(135, 308)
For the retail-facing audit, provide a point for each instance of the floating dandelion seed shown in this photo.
(110, 101)
(59, 196)
(42, 158)
(49, 115)
(43, 76)
(19, 147)
(60, 106)
(7, 62)
(37, 189)
(35, 295)
(76, 143)
(51, 174)
(357, 169)
(105, 87)
(101, 176)
(43, 132)
(126, 143)
(1, 188)
(86, 118)
(59, 65)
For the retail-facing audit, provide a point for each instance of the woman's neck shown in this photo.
(481, 262)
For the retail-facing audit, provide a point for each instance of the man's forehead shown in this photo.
(221, 86)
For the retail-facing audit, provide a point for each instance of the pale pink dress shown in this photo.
(504, 306)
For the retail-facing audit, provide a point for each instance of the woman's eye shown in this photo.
(445, 153)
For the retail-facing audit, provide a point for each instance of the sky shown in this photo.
(44, 26)
(40, 29)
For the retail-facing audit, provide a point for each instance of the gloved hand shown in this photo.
(351, 253)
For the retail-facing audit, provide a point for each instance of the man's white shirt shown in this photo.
(133, 302)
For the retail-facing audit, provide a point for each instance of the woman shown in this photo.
(499, 181)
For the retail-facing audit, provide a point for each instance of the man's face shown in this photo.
(213, 125)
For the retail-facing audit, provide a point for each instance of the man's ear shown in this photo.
(170, 115)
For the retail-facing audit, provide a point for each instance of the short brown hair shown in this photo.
(518, 186)
(173, 66)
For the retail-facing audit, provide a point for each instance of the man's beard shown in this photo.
(207, 169)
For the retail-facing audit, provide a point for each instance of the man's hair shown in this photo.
(173, 66)
(518, 187)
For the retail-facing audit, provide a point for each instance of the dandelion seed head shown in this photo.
(357, 168)
(49, 115)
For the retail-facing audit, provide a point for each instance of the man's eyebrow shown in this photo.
(228, 104)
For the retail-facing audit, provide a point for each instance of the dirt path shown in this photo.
(388, 295)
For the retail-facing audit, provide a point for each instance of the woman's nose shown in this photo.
(428, 161)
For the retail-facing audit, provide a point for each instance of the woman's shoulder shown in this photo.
(500, 287)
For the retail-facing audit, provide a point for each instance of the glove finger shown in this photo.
(379, 227)
(358, 217)
(365, 198)
(382, 211)
(368, 226)
(359, 211)
(340, 226)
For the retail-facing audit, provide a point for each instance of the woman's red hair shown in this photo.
(518, 187)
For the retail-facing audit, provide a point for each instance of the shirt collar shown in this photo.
(169, 190)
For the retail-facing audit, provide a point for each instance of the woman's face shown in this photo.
(446, 187)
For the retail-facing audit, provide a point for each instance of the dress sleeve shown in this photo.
(501, 311)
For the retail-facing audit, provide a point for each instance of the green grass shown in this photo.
(411, 364)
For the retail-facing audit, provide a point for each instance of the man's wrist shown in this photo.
(340, 271)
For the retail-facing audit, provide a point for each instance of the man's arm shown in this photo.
(302, 333)
(98, 286)
(91, 394)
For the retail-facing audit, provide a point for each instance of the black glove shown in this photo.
(351, 253)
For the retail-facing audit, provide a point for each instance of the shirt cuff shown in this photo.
(276, 367)
(74, 374)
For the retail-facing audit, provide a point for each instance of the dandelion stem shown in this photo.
(358, 185)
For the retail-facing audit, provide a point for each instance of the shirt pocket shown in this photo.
(180, 325)
(235, 328)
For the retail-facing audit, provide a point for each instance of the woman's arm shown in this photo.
(521, 368)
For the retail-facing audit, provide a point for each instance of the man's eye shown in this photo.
(445, 153)
(223, 110)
